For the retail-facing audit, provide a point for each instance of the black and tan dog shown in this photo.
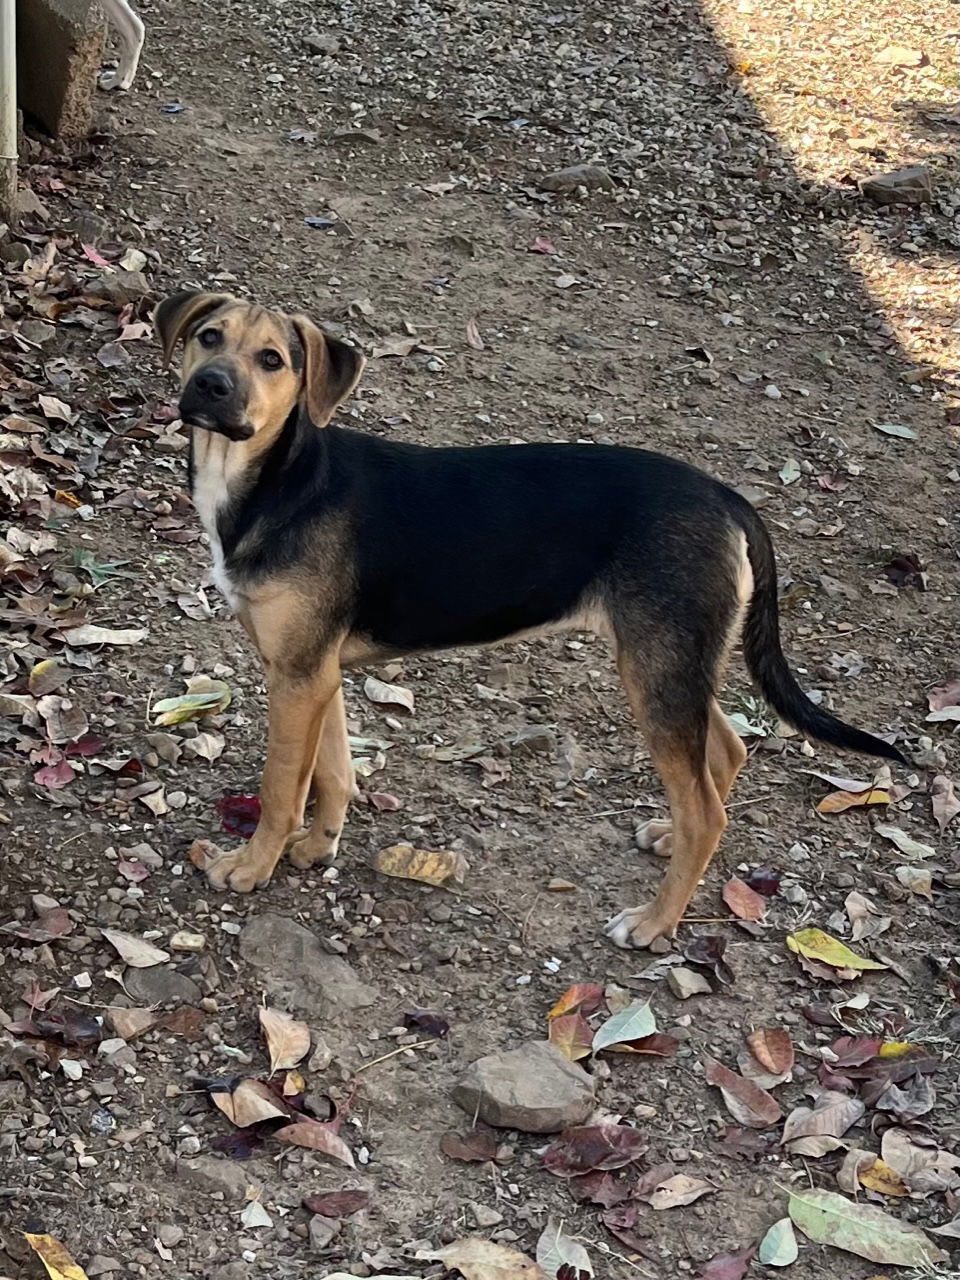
(335, 547)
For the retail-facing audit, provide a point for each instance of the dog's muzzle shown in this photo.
(210, 400)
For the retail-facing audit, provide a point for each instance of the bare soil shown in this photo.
(730, 297)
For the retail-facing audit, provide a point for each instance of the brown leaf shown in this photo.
(773, 1049)
(473, 336)
(134, 951)
(337, 1204)
(840, 801)
(598, 1187)
(587, 1147)
(678, 1190)
(943, 799)
(728, 1266)
(249, 1103)
(572, 1035)
(287, 1040)
(478, 1259)
(744, 902)
(317, 1137)
(831, 1116)
(477, 1146)
(879, 1177)
(748, 1104)
(437, 867)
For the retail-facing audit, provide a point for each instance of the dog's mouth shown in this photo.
(208, 422)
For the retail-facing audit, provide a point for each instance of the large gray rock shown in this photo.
(294, 966)
(59, 47)
(534, 1089)
(161, 985)
(212, 1174)
(913, 185)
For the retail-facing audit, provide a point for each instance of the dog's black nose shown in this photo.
(213, 382)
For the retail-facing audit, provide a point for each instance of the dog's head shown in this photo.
(245, 368)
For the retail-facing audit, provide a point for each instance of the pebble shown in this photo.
(685, 983)
(534, 1089)
(591, 176)
(161, 985)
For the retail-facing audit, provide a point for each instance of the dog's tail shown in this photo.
(765, 659)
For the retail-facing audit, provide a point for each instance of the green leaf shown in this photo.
(204, 697)
(631, 1023)
(778, 1248)
(896, 429)
(827, 1218)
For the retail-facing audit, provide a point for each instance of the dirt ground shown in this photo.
(724, 293)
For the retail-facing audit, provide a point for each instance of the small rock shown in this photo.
(685, 983)
(913, 185)
(484, 1216)
(100, 1265)
(532, 740)
(557, 884)
(773, 392)
(161, 985)
(534, 1089)
(296, 967)
(320, 42)
(322, 1231)
(130, 1023)
(91, 228)
(232, 1271)
(184, 941)
(213, 1174)
(577, 175)
(120, 287)
(38, 331)
(170, 1236)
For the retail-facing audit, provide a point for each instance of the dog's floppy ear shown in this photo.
(331, 370)
(175, 315)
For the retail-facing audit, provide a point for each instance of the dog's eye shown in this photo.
(208, 338)
(271, 359)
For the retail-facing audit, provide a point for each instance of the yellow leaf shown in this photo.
(68, 499)
(881, 1178)
(894, 1049)
(429, 866)
(839, 801)
(817, 945)
(59, 1264)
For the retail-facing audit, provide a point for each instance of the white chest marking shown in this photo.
(215, 466)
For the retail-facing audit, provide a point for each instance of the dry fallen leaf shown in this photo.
(840, 801)
(387, 695)
(88, 634)
(317, 1137)
(943, 799)
(909, 847)
(817, 945)
(438, 867)
(773, 1049)
(831, 1116)
(53, 1255)
(559, 1255)
(249, 1103)
(748, 1104)
(583, 997)
(865, 919)
(677, 1191)
(744, 902)
(572, 1035)
(879, 1177)
(134, 951)
(287, 1040)
(478, 1259)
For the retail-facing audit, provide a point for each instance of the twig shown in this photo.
(421, 1044)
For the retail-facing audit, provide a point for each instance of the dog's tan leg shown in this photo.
(725, 758)
(297, 709)
(334, 787)
(676, 713)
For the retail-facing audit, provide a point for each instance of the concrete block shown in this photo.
(59, 51)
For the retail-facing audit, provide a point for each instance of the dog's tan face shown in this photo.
(245, 369)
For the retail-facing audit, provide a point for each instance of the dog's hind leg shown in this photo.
(334, 787)
(726, 755)
(672, 706)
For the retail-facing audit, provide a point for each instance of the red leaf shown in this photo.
(587, 1147)
(707, 949)
(383, 802)
(583, 997)
(317, 1137)
(542, 244)
(239, 814)
(89, 744)
(52, 924)
(96, 258)
(854, 1051)
(748, 1104)
(598, 1187)
(728, 1266)
(55, 776)
(744, 902)
(663, 1046)
(337, 1204)
(765, 880)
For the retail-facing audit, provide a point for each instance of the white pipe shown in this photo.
(8, 108)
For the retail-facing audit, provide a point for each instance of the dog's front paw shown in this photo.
(638, 927)
(311, 848)
(241, 869)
